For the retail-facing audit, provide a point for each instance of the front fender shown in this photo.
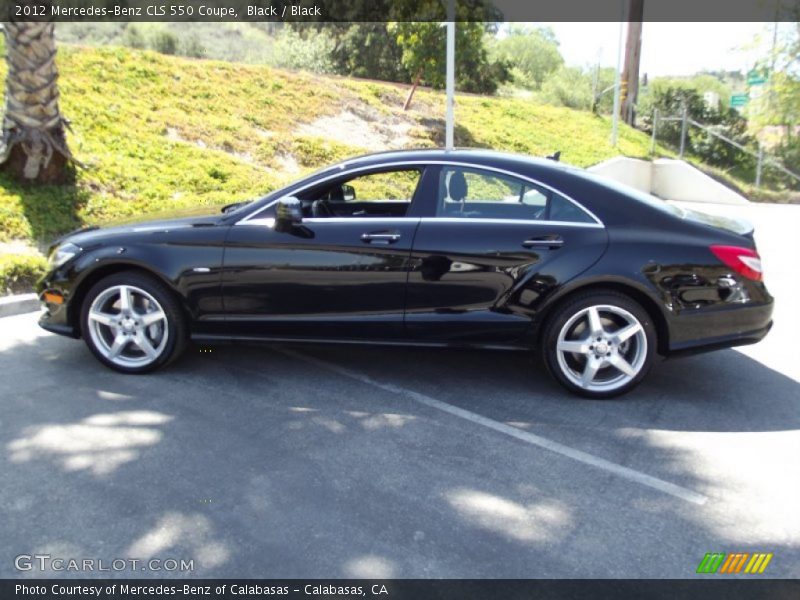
(190, 267)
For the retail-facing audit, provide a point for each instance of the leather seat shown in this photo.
(336, 194)
(322, 208)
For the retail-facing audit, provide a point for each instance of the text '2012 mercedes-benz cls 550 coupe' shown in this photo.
(428, 247)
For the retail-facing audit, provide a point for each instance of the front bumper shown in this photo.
(55, 316)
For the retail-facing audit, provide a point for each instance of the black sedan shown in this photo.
(429, 247)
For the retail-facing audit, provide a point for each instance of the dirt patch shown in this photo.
(366, 128)
(287, 163)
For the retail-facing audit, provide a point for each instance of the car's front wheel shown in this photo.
(132, 322)
(599, 344)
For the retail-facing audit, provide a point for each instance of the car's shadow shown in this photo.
(719, 391)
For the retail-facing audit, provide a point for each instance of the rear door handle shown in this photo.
(544, 241)
(380, 237)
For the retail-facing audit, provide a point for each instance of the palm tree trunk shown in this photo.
(33, 147)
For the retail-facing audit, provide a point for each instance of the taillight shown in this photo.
(744, 261)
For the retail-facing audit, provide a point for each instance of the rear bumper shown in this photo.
(703, 331)
(729, 341)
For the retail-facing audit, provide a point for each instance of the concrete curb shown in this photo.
(18, 304)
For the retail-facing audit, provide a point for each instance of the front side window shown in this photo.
(383, 194)
(394, 186)
(476, 193)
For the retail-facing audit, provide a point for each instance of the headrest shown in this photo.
(457, 186)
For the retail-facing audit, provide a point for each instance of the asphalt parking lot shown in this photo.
(330, 461)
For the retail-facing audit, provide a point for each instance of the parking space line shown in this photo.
(525, 436)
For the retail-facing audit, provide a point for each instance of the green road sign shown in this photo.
(738, 100)
(756, 78)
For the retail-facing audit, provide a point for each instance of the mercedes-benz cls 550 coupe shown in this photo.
(428, 247)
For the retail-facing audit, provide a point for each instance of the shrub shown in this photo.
(788, 154)
(133, 37)
(165, 42)
(312, 151)
(293, 50)
(570, 87)
(20, 272)
(192, 47)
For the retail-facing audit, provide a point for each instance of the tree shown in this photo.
(574, 88)
(423, 54)
(365, 50)
(304, 49)
(368, 50)
(34, 145)
(780, 104)
(532, 53)
(671, 96)
(699, 84)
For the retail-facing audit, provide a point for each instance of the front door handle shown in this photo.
(380, 237)
(544, 241)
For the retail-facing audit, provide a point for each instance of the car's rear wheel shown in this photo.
(599, 344)
(132, 323)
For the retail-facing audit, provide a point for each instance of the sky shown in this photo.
(667, 48)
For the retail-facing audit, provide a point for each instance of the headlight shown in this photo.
(63, 253)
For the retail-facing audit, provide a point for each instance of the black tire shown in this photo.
(615, 310)
(173, 326)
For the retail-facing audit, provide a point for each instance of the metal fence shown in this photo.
(761, 157)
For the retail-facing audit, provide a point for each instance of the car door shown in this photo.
(340, 274)
(490, 248)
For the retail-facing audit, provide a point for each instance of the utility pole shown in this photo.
(684, 128)
(596, 81)
(633, 52)
(450, 74)
(617, 82)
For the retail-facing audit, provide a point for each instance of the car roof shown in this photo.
(478, 156)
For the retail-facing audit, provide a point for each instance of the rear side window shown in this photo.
(562, 209)
(477, 193)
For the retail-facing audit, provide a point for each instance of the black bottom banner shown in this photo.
(400, 589)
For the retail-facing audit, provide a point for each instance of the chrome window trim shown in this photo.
(416, 163)
(270, 221)
(318, 220)
(495, 221)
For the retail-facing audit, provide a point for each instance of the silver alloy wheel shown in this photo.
(601, 348)
(128, 326)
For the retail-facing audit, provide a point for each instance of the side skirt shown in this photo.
(204, 338)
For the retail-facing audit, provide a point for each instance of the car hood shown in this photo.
(89, 235)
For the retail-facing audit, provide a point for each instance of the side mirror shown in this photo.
(349, 193)
(288, 214)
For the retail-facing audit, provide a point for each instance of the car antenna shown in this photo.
(556, 156)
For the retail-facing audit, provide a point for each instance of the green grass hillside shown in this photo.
(158, 133)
